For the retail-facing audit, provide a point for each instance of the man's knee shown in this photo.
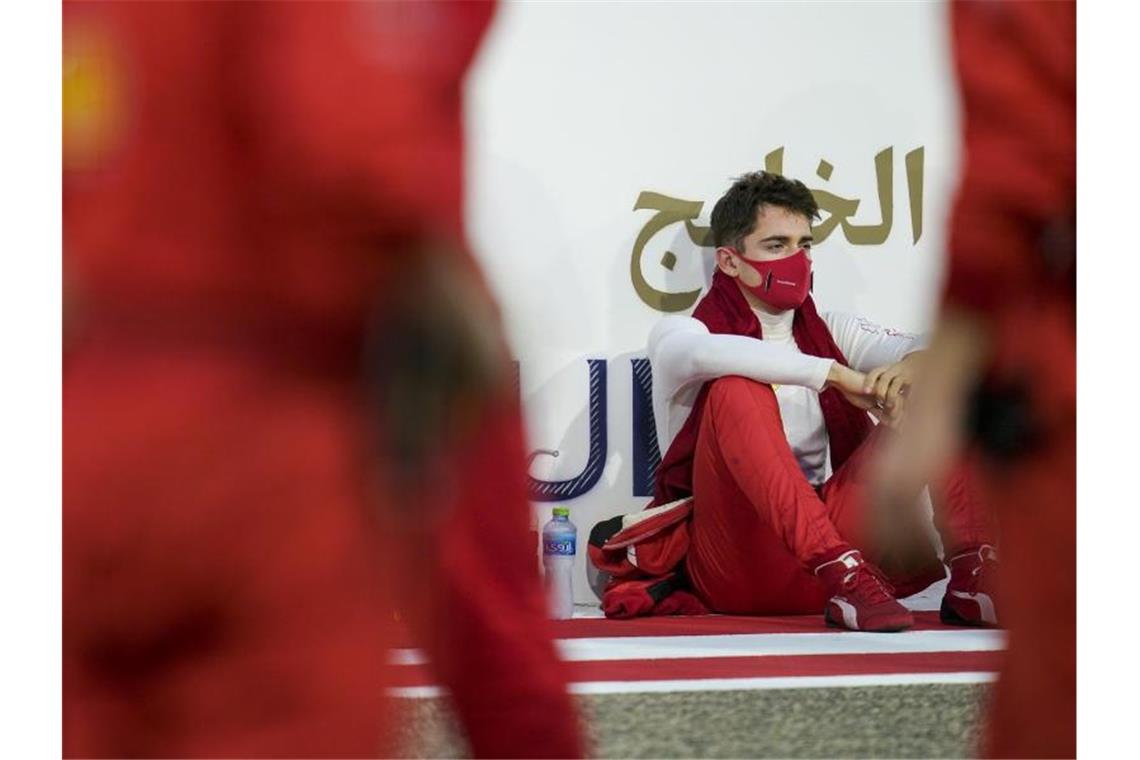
(740, 396)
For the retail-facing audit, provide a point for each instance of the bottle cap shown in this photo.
(561, 511)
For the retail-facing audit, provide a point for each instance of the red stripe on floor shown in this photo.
(706, 625)
(752, 667)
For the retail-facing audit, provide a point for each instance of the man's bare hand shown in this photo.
(851, 384)
(435, 361)
(890, 385)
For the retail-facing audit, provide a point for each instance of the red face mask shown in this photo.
(784, 283)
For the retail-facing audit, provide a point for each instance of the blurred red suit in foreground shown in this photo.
(1003, 357)
(256, 195)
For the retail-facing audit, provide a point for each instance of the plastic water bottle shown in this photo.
(559, 545)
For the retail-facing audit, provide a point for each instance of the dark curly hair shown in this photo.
(734, 215)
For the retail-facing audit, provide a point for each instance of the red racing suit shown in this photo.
(243, 183)
(1013, 265)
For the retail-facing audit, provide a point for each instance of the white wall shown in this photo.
(574, 109)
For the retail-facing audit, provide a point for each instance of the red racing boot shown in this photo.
(861, 597)
(969, 596)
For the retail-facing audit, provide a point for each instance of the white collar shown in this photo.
(776, 327)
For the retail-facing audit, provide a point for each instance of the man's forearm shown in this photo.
(685, 356)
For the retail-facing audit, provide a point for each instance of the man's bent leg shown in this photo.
(908, 558)
(968, 532)
(757, 522)
(964, 519)
(758, 525)
(913, 564)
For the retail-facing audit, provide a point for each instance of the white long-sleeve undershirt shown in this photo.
(684, 355)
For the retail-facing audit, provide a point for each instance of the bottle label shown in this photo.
(559, 546)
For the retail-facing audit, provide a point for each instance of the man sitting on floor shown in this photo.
(759, 399)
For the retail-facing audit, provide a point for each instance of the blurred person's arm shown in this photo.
(1010, 237)
(457, 512)
(932, 433)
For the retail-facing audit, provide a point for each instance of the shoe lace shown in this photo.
(869, 582)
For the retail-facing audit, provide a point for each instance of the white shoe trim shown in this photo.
(850, 616)
(850, 560)
(984, 552)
